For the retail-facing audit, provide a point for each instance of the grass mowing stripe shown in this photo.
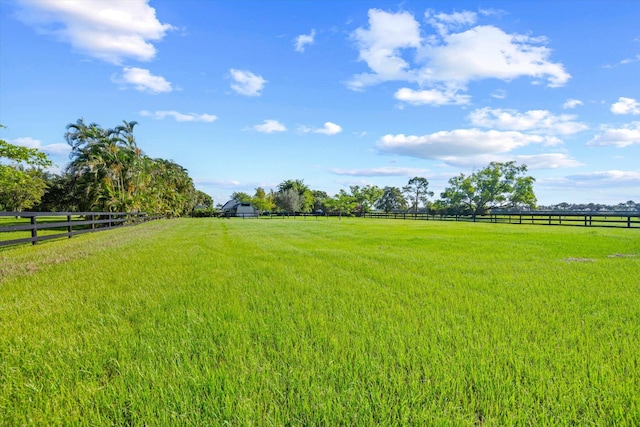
(318, 322)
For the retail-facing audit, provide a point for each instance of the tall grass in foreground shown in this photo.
(323, 322)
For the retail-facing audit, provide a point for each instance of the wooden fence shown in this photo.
(62, 224)
(591, 219)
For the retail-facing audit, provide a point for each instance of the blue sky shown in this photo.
(250, 93)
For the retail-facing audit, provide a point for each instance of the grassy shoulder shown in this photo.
(316, 321)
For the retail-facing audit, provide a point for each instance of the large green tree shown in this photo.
(21, 176)
(342, 202)
(262, 201)
(366, 197)
(320, 198)
(417, 192)
(289, 200)
(391, 200)
(203, 200)
(241, 196)
(499, 185)
(305, 196)
(111, 173)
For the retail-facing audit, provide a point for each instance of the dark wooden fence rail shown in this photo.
(592, 219)
(70, 223)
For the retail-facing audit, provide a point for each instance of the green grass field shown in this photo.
(323, 322)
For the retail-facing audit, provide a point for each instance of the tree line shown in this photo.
(497, 186)
(107, 172)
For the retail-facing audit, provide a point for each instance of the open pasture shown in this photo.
(323, 322)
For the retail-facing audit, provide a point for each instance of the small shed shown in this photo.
(239, 209)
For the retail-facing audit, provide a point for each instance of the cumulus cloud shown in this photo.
(142, 80)
(180, 117)
(626, 106)
(457, 143)
(59, 149)
(431, 96)
(247, 83)
(571, 103)
(329, 128)
(452, 57)
(620, 137)
(381, 171)
(303, 40)
(380, 46)
(536, 121)
(111, 31)
(444, 22)
(270, 126)
(485, 52)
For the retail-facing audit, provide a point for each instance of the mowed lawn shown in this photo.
(323, 322)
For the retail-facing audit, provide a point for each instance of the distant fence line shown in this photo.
(589, 219)
(73, 223)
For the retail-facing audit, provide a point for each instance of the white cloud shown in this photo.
(485, 52)
(623, 62)
(247, 83)
(444, 22)
(536, 121)
(107, 30)
(305, 39)
(431, 96)
(626, 106)
(142, 80)
(59, 149)
(328, 129)
(620, 137)
(533, 161)
(571, 103)
(270, 126)
(381, 171)
(450, 59)
(499, 94)
(380, 46)
(449, 145)
(180, 117)
(610, 177)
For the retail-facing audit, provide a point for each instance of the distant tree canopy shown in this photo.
(21, 176)
(111, 173)
(241, 196)
(417, 191)
(262, 201)
(365, 197)
(391, 200)
(286, 201)
(499, 185)
(343, 202)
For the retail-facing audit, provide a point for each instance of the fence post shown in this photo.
(69, 228)
(629, 221)
(34, 230)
